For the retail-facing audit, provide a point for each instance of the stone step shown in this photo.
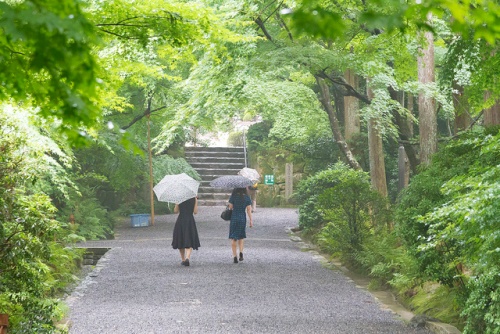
(216, 165)
(214, 196)
(208, 159)
(221, 155)
(206, 189)
(210, 174)
(213, 149)
(211, 163)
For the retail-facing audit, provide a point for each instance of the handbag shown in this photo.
(226, 214)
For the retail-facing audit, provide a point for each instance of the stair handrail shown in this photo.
(245, 147)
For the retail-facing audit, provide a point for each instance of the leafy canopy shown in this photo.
(46, 60)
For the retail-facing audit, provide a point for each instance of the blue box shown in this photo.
(140, 220)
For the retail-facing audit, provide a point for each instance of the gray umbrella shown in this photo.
(231, 181)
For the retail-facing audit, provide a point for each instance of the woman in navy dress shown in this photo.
(185, 237)
(241, 204)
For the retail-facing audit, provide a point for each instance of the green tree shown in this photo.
(35, 263)
(47, 61)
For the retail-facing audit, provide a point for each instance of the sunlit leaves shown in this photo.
(482, 17)
(317, 22)
(45, 59)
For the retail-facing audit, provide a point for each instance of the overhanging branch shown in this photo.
(350, 89)
(139, 117)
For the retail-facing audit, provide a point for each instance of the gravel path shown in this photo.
(139, 286)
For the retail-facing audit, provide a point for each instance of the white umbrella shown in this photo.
(250, 173)
(176, 188)
(231, 181)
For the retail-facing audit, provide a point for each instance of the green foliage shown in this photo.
(108, 177)
(46, 59)
(257, 135)
(482, 309)
(91, 218)
(439, 301)
(166, 165)
(34, 262)
(235, 139)
(480, 20)
(425, 194)
(453, 233)
(341, 202)
(327, 23)
(310, 214)
(387, 260)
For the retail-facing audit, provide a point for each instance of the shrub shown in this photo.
(34, 262)
(235, 139)
(425, 194)
(342, 203)
(482, 307)
(457, 241)
(387, 260)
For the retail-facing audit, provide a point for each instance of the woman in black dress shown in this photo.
(185, 237)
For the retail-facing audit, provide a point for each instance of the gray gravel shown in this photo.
(139, 286)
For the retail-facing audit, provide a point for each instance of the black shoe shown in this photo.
(186, 263)
(235, 259)
(241, 256)
(183, 263)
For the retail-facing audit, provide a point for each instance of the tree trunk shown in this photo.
(376, 154)
(351, 107)
(427, 105)
(491, 115)
(462, 116)
(334, 124)
(409, 121)
(405, 131)
(403, 170)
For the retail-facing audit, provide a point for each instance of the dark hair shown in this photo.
(240, 191)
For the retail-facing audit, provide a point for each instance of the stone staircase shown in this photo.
(210, 163)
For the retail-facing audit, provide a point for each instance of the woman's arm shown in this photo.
(176, 208)
(195, 211)
(249, 213)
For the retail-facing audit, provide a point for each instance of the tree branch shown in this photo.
(341, 81)
(262, 27)
(470, 126)
(284, 26)
(139, 117)
(274, 11)
(123, 25)
(267, 6)
(334, 123)
(117, 35)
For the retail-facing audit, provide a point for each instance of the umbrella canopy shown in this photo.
(250, 173)
(176, 188)
(231, 181)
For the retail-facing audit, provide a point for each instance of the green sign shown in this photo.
(269, 179)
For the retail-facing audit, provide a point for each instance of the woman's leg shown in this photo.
(183, 254)
(188, 253)
(233, 246)
(240, 246)
(187, 256)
